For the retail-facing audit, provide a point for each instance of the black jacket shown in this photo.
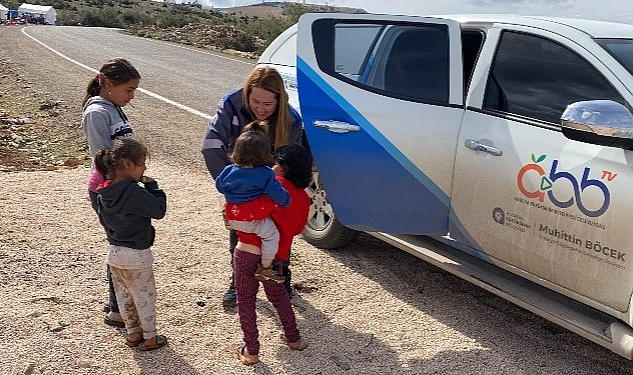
(125, 209)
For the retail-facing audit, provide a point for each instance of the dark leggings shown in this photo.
(112, 304)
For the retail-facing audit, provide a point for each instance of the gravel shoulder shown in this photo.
(367, 309)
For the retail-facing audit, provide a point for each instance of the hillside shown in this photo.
(247, 29)
(279, 9)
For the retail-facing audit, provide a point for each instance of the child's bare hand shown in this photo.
(146, 179)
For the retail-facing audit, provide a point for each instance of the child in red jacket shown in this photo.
(294, 170)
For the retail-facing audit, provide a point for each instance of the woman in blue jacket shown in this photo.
(263, 97)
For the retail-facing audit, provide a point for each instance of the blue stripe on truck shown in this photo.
(359, 204)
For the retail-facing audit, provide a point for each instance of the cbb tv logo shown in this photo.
(547, 181)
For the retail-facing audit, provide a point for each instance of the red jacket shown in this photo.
(256, 209)
(290, 220)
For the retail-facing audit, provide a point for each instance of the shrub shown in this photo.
(166, 20)
(242, 42)
(107, 17)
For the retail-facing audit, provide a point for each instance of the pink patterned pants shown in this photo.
(136, 296)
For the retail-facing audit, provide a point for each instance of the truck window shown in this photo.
(407, 61)
(352, 44)
(472, 40)
(620, 49)
(417, 64)
(537, 78)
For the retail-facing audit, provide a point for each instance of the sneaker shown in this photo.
(230, 299)
(227, 222)
(114, 319)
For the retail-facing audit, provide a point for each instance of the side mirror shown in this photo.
(599, 122)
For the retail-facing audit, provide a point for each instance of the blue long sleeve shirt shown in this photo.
(243, 184)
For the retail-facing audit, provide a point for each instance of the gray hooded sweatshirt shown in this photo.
(126, 209)
(103, 122)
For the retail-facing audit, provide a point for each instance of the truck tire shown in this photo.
(323, 229)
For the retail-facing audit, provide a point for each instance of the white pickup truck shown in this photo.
(495, 147)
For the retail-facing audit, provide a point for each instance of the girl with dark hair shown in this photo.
(293, 166)
(104, 121)
(126, 211)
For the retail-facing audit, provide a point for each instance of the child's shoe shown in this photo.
(114, 319)
(244, 357)
(159, 342)
(299, 345)
(227, 222)
(268, 274)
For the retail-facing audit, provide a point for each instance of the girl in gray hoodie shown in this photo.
(103, 121)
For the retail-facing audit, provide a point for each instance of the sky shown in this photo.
(607, 10)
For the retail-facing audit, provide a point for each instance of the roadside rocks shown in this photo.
(34, 129)
(22, 150)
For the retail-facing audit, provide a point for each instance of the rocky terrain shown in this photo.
(37, 131)
(199, 36)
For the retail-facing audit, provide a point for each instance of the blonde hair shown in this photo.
(269, 79)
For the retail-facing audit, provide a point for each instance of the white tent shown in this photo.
(3, 12)
(49, 14)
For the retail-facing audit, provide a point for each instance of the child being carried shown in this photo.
(252, 192)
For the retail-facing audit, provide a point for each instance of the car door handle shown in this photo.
(476, 146)
(336, 126)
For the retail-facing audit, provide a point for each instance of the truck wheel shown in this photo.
(323, 229)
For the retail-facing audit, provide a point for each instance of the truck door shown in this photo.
(524, 194)
(381, 99)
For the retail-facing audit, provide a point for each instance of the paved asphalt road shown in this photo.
(180, 86)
